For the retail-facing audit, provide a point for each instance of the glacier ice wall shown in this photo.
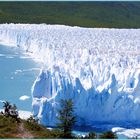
(98, 68)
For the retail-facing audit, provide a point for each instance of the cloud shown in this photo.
(24, 97)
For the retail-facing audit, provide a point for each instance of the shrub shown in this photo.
(33, 126)
(91, 135)
(108, 135)
(8, 127)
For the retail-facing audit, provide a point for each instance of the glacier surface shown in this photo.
(98, 68)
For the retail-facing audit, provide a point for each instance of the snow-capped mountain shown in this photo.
(98, 68)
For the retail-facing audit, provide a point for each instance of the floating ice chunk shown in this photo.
(18, 71)
(24, 97)
(129, 133)
(9, 57)
(2, 54)
(25, 57)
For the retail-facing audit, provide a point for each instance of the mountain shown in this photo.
(85, 14)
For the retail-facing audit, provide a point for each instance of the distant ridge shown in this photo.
(85, 14)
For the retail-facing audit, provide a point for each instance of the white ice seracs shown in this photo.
(98, 68)
(133, 133)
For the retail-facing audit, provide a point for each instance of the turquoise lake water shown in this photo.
(17, 74)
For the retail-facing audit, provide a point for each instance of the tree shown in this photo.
(10, 110)
(108, 135)
(91, 135)
(31, 119)
(7, 108)
(66, 118)
(14, 112)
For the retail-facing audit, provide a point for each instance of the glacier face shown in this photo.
(98, 68)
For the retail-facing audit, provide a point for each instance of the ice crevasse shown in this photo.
(98, 68)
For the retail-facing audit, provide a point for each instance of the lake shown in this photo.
(17, 74)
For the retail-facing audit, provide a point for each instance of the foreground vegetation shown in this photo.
(85, 14)
(9, 128)
(14, 127)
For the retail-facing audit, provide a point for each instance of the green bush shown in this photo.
(108, 135)
(33, 126)
(8, 127)
(91, 135)
(40, 131)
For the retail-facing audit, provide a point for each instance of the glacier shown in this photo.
(98, 68)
